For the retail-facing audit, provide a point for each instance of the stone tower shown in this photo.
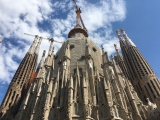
(81, 82)
(141, 74)
(20, 82)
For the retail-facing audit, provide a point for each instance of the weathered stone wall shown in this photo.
(78, 54)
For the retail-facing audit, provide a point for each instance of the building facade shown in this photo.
(81, 82)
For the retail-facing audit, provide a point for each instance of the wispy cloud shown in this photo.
(59, 17)
(98, 20)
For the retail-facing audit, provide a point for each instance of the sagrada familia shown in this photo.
(81, 82)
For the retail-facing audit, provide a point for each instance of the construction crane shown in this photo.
(50, 39)
(78, 17)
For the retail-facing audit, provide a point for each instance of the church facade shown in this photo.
(81, 82)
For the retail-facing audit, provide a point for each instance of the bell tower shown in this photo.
(141, 74)
(18, 86)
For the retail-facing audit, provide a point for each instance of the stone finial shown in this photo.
(115, 46)
(38, 45)
(41, 61)
(119, 35)
(128, 41)
(32, 48)
(102, 49)
(50, 47)
(124, 33)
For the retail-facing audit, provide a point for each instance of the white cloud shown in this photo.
(18, 17)
(21, 16)
(109, 45)
(98, 20)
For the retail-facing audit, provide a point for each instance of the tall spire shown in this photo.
(115, 46)
(119, 56)
(50, 55)
(38, 45)
(16, 91)
(50, 47)
(42, 61)
(125, 56)
(119, 35)
(142, 76)
(102, 49)
(32, 48)
(105, 57)
(128, 41)
(121, 40)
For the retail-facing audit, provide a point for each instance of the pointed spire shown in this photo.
(67, 52)
(122, 43)
(121, 40)
(32, 48)
(42, 61)
(105, 58)
(115, 46)
(38, 45)
(119, 35)
(52, 58)
(50, 54)
(127, 39)
(116, 68)
(50, 47)
(102, 49)
(119, 56)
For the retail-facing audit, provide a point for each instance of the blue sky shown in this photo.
(49, 18)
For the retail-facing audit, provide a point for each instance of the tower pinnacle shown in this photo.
(32, 48)
(38, 46)
(119, 35)
(102, 49)
(116, 48)
(128, 41)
